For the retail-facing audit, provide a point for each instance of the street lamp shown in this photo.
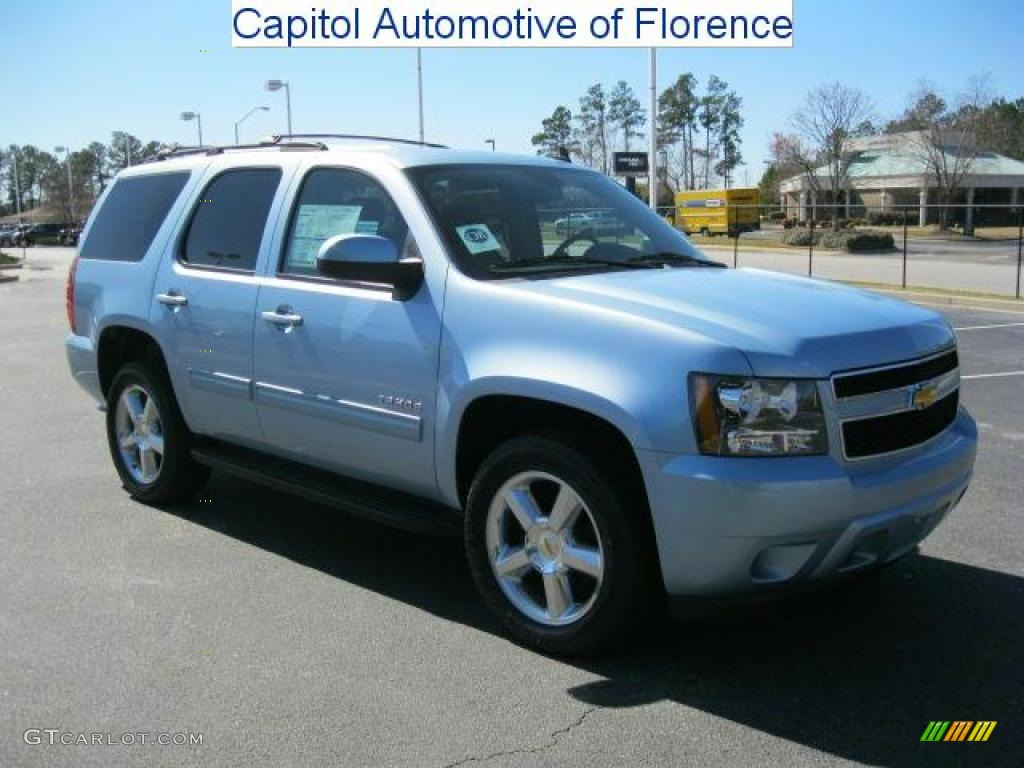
(419, 87)
(491, 142)
(246, 116)
(652, 132)
(189, 116)
(71, 192)
(276, 85)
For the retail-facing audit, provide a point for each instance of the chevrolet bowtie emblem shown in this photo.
(924, 396)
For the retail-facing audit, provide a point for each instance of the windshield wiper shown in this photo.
(562, 261)
(666, 257)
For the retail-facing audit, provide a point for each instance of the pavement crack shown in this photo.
(552, 741)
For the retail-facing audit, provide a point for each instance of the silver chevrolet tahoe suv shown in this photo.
(610, 418)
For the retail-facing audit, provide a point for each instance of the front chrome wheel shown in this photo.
(140, 434)
(544, 548)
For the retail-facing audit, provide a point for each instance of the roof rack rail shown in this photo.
(174, 151)
(364, 137)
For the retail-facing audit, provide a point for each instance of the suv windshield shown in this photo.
(503, 221)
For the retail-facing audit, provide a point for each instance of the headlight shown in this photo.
(734, 416)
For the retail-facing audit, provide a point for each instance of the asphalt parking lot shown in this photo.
(288, 634)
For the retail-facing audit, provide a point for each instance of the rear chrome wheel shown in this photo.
(545, 548)
(149, 441)
(140, 434)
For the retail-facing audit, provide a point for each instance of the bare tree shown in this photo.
(824, 124)
(945, 141)
(675, 172)
(796, 157)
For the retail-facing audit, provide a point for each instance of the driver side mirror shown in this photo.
(370, 259)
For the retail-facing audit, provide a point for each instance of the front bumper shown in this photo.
(729, 526)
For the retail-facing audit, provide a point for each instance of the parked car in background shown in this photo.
(69, 236)
(590, 222)
(45, 234)
(27, 235)
(16, 236)
(396, 331)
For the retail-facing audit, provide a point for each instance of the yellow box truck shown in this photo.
(718, 211)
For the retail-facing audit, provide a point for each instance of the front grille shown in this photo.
(896, 431)
(865, 383)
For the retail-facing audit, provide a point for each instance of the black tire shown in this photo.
(180, 477)
(629, 587)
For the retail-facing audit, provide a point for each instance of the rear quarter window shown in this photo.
(131, 215)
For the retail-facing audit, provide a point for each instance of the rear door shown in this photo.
(346, 375)
(205, 297)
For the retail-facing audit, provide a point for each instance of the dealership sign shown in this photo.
(631, 164)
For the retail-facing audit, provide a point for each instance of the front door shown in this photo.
(345, 375)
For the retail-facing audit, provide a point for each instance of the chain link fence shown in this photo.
(978, 250)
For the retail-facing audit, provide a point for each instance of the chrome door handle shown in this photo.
(283, 317)
(172, 299)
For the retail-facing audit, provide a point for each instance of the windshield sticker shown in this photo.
(478, 238)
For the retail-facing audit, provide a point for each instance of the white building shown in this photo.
(888, 173)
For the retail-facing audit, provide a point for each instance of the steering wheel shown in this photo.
(560, 251)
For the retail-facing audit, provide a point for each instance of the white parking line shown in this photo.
(993, 375)
(963, 307)
(986, 327)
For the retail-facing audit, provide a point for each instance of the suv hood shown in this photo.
(785, 325)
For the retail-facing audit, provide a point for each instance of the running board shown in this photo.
(383, 505)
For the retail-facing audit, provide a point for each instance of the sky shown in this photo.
(85, 69)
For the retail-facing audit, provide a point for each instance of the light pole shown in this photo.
(276, 85)
(245, 117)
(189, 116)
(491, 142)
(71, 191)
(652, 134)
(419, 87)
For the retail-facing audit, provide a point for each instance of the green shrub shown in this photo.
(886, 218)
(850, 240)
(865, 240)
(799, 236)
(777, 215)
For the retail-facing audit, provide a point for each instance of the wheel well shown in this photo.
(491, 420)
(119, 345)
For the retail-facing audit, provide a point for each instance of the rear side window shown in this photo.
(131, 215)
(229, 219)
